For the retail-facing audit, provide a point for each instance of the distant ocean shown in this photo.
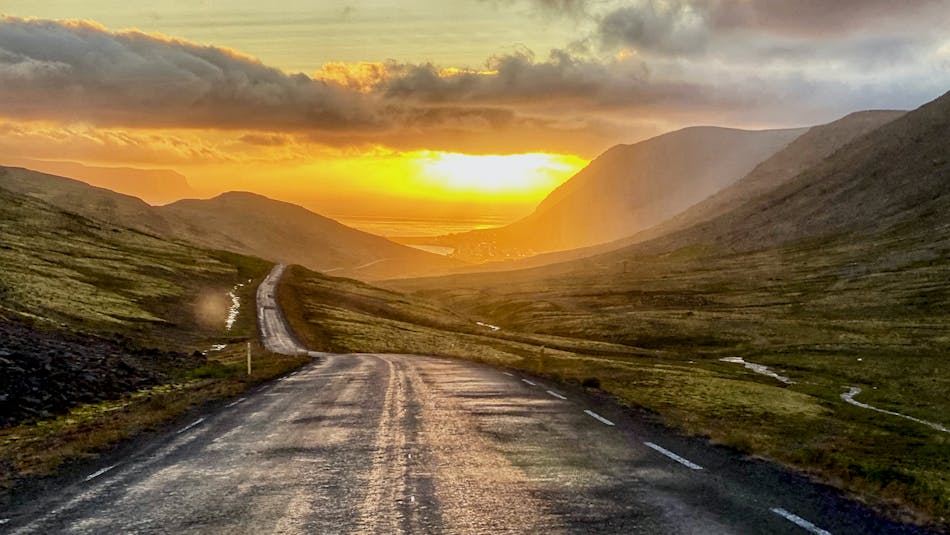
(393, 227)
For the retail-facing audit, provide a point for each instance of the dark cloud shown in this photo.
(664, 27)
(819, 17)
(51, 69)
(75, 72)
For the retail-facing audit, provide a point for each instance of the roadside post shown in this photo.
(248, 358)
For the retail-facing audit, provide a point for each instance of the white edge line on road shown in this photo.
(508, 374)
(233, 403)
(99, 473)
(799, 521)
(685, 462)
(598, 417)
(189, 426)
(555, 394)
(529, 382)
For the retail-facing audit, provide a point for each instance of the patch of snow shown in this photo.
(758, 368)
(488, 326)
(848, 397)
(235, 307)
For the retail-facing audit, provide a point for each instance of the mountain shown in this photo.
(629, 188)
(808, 150)
(284, 232)
(81, 198)
(887, 191)
(238, 222)
(155, 186)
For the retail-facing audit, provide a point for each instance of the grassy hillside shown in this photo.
(244, 223)
(100, 328)
(284, 232)
(63, 270)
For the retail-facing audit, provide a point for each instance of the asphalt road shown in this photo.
(415, 444)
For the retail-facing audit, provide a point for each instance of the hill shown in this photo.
(239, 222)
(627, 189)
(90, 310)
(154, 186)
(808, 150)
(284, 232)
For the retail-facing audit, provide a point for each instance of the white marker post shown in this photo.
(248, 359)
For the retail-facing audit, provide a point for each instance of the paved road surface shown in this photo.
(413, 444)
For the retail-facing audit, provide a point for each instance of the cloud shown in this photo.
(681, 62)
(660, 26)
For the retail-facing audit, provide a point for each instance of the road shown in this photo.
(380, 443)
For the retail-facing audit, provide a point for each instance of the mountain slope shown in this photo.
(81, 198)
(154, 186)
(632, 187)
(285, 232)
(239, 222)
(808, 150)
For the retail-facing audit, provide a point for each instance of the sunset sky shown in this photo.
(436, 106)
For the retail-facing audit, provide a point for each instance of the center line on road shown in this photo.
(555, 394)
(508, 374)
(598, 417)
(799, 521)
(189, 426)
(675, 457)
(233, 403)
(96, 474)
(529, 382)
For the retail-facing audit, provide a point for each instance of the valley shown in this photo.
(686, 272)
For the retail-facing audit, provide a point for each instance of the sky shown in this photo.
(436, 107)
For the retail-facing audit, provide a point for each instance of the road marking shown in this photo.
(233, 403)
(529, 382)
(799, 521)
(189, 426)
(597, 417)
(675, 457)
(94, 475)
(555, 394)
(4, 521)
(508, 374)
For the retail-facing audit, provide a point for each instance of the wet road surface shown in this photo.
(415, 444)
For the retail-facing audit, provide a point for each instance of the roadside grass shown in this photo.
(40, 448)
(661, 330)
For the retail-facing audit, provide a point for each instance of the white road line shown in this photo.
(799, 521)
(597, 417)
(529, 382)
(233, 403)
(555, 394)
(508, 374)
(189, 426)
(675, 457)
(94, 475)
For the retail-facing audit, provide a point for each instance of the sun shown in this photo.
(509, 176)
